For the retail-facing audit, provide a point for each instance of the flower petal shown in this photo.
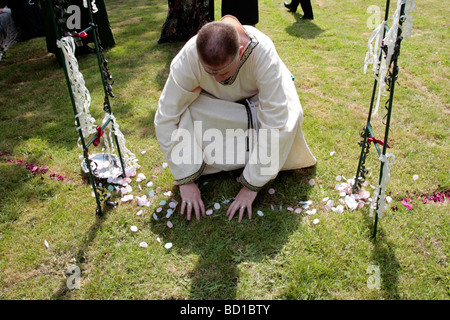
(143, 244)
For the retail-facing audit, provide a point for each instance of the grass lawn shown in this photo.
(48, 226)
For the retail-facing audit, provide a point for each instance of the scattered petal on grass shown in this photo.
(139, 213)
(159, 210)
(155, 216)
(217, 206)
(312, 182)
(325, 199)
(168, 245)
(151, 193)
(164, 165)
(169, 224)
(140, 177)
(388, 199)
(406, 204)
(298, 210)
(169, 213)
(339, 208)
(131, 172)
(143, 152)
(127, 198)
(150, 184)
(260, 213)
(168, 193)
(415, 177)
(271, 191)
(338, 178)
(332, 153)
(158, 239)
(364, 194)
(290, 209)
(46, 244)
(172, 205)
(209, 212)
(162, 203)
(142, 201)
(311, 212)
(315, 221)
(351, 202)
(143, 244)
(133, 228)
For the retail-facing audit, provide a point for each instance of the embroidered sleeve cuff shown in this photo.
(193, 176)
(249, 186)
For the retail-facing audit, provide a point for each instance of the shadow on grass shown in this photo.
(222, 245)
(305, 29)
(384, 257)
(63, 291)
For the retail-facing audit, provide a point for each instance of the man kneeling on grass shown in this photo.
(230, 102)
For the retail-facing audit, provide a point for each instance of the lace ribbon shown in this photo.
(379, 195)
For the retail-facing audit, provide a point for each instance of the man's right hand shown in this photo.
(191, 200)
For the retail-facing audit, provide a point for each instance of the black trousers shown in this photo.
(306, 7)
(246, 11)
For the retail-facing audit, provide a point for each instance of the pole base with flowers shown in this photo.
(99, 166)
(384, 49)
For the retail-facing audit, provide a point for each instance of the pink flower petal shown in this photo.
(209, 212)
(312, 182)
(406, 204)
(271, 191)
(415, 177)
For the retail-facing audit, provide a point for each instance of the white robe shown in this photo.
(203, 109)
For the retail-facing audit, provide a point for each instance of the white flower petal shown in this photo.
(168, 245)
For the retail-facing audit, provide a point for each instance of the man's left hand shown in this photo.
(243, 201)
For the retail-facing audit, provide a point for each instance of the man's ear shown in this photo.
(241, 51)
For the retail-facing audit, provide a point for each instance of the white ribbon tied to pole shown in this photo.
(382, 59)
(379, 196)
(81, 94)
(82, 101)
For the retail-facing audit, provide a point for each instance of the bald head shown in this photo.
(217, 43)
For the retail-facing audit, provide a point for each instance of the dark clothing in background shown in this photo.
(246, 11)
